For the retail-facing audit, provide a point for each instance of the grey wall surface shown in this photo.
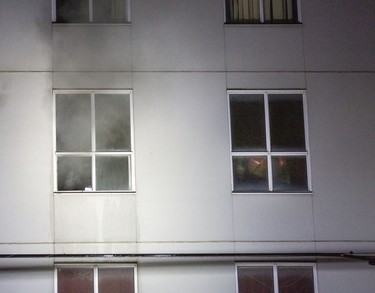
(179, 58)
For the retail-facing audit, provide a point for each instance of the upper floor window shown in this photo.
(93, 141)
(96, 11)
(95, 279)
(262, 11)
(272, 278)
(269, 141)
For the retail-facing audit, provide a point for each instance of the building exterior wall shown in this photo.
(179, 59)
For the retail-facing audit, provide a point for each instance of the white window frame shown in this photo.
(261, 14)
(93, 154)
(91, 15)
(274, 266)
(96, 268)
(269, 153)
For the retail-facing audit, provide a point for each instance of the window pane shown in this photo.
(286, 122)
(112, 173)
(73, 122)
(255, 280)
(243, 11)
(112, 114)
(109, 11)
(73, 173)
(289, 173)
(75, 280)
(116, 280)
(296, 279)
(72, 11)
(250, 173)
(280, 11)
(247, 123)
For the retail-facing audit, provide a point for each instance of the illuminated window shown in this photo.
(272, 278)
(98, 279)
(269, 141)
(262, 11)
(93, 141)
(97, 11)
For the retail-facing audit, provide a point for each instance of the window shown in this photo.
(97, 11)
(262, 11)
(98, 279)
(93, 141)
(269, 141)
(273, 278)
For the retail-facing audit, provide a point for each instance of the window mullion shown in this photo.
(261, 11)
(96, 280)
(275, 279)
(268, 141)
(91, 11)
(93, 142)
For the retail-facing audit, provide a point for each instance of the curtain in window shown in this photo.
(109, 11)
(246, 11)
(280, 11)
(295, 279)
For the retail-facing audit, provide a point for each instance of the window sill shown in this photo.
(272, 193)
(295, 25)
(88, 193)
(91, 24)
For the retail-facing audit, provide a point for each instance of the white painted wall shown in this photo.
(179, 59)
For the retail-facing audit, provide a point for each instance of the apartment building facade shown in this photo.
(187, 146)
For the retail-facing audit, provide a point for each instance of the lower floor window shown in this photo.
(95, 279)
(273, 278)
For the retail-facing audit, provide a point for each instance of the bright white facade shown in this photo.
(179, 60)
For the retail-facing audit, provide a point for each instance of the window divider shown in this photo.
(268, 140)
(93, 140)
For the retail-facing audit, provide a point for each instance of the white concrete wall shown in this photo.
(179, 59)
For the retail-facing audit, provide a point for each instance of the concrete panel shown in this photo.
(341, 119)
(26, 157)
(274, 247)
(182, 157)
(26, 280)
(339, 37)
(356, 277)
(94, 47)
(106, 218)
(264, 47)
(92, 80)
(187, 278)
(178, 35)
(266, 80)
(273, 217)
(25, 35)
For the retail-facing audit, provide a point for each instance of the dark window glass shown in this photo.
(115, 280)
(73, 173)
(109, 11)
(112, 122)
(255, 280)
(247, 123)
(289, 173)
(112, 173)
(280, 11)
(250, 173)
(75, 280)
(73, 122)
(296, 279)
(71, 11)
(286, 122)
